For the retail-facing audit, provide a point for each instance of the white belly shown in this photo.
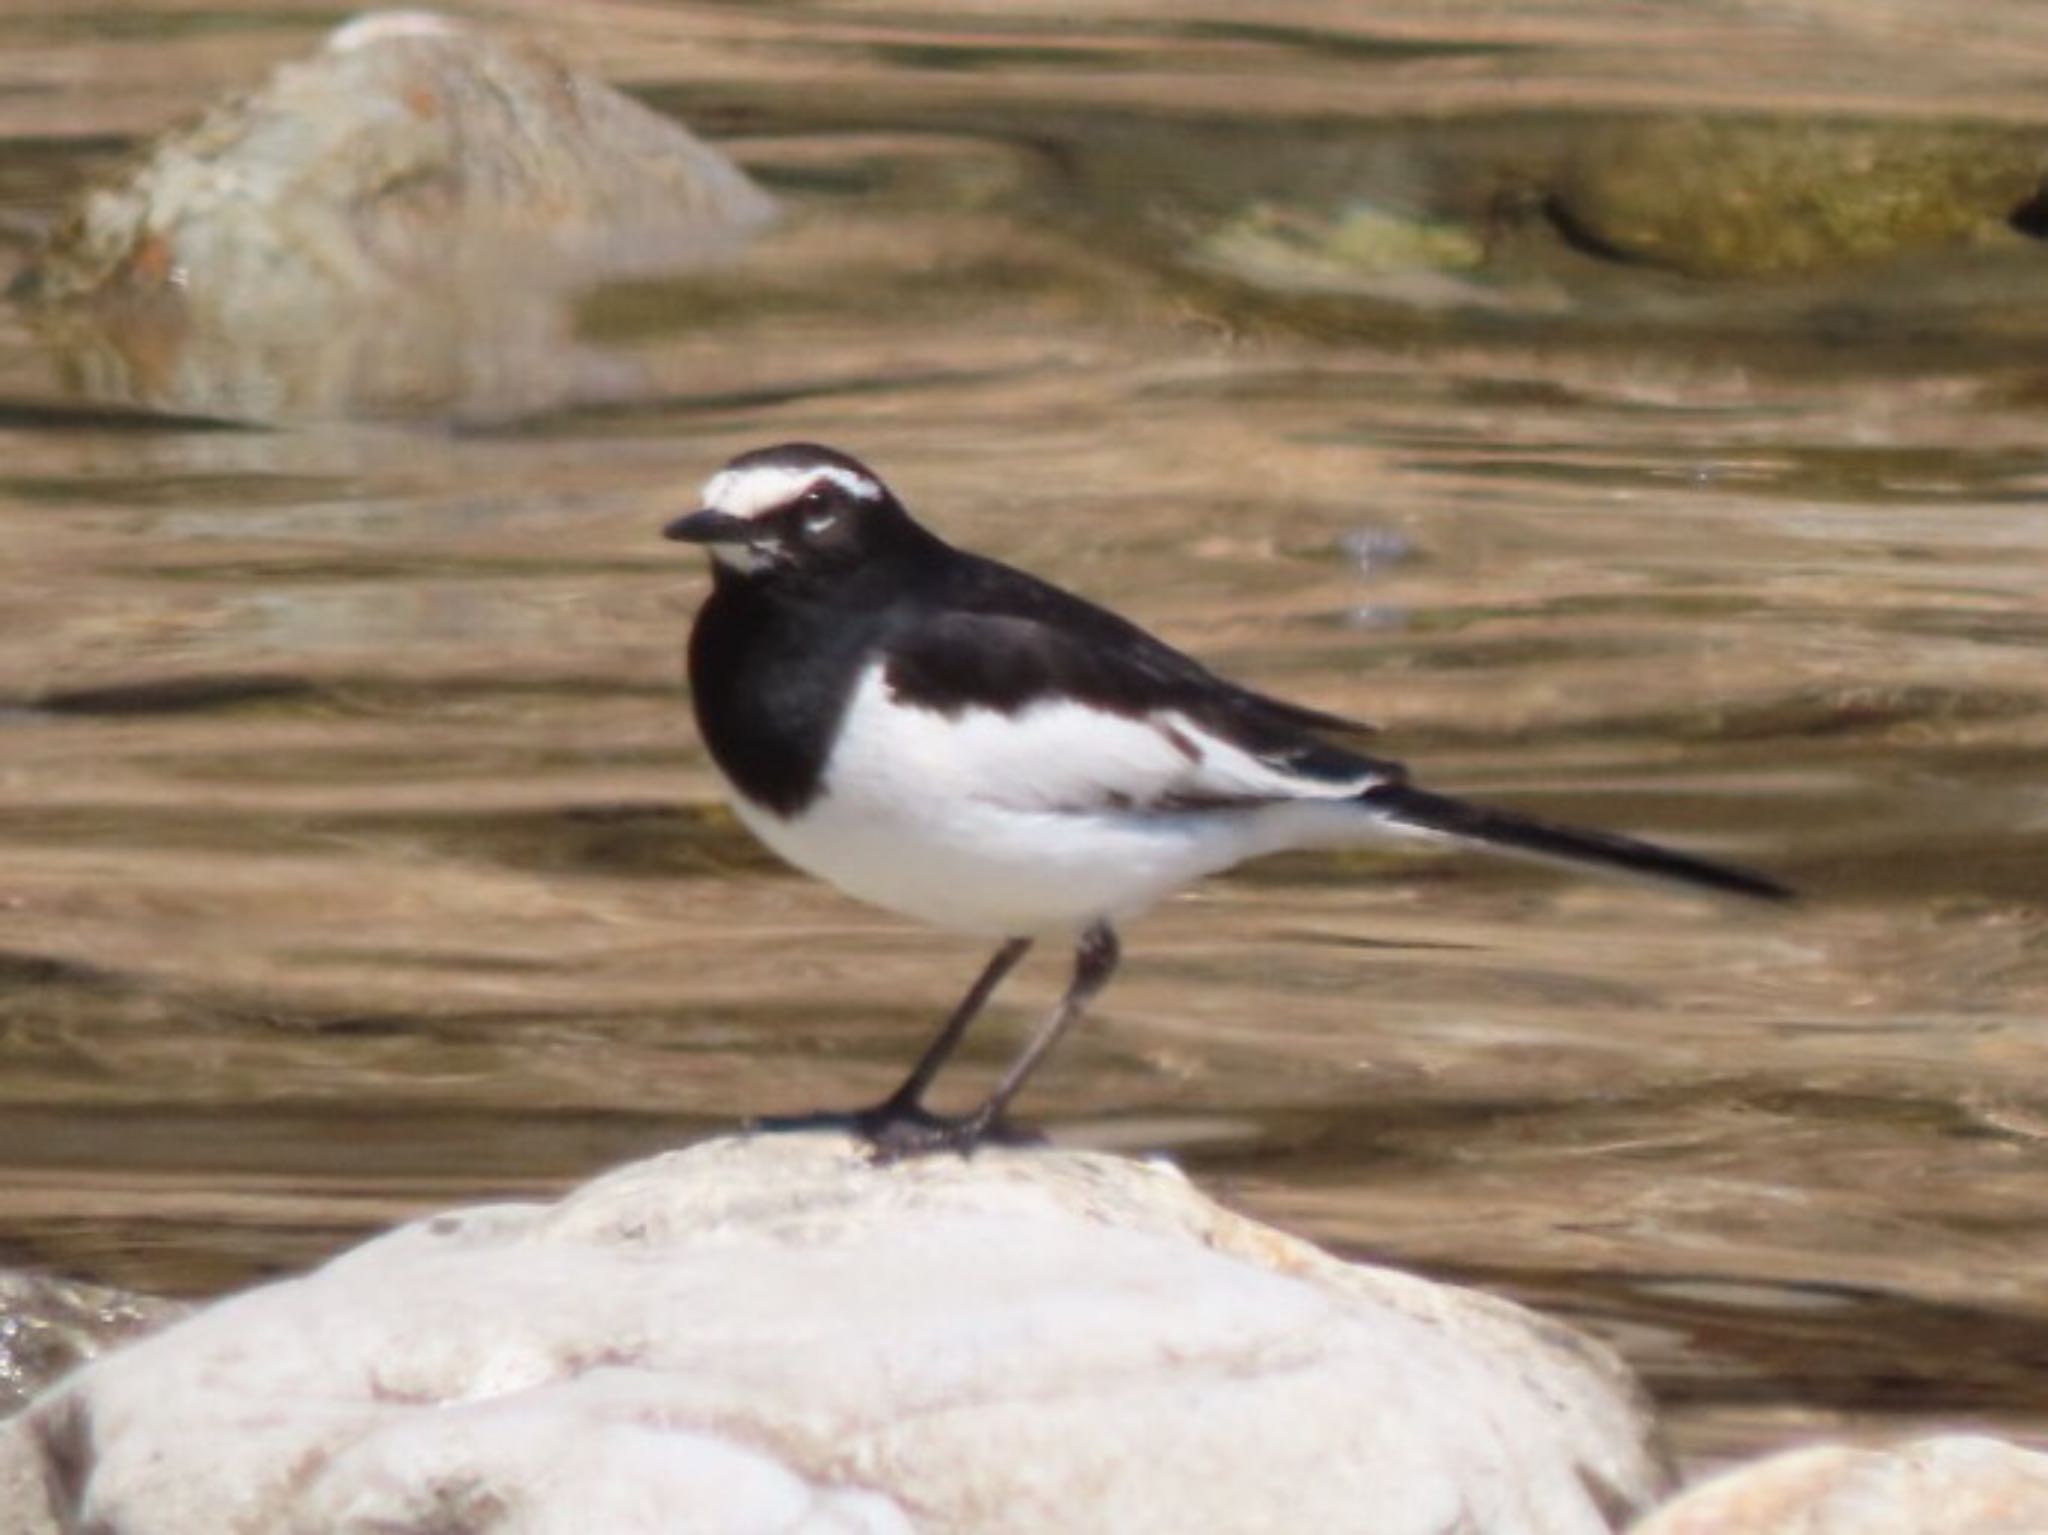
(970, 822)
(997, 872)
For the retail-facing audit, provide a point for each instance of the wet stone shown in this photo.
(1753, 229)
(390, 227)
(50, 1325)
(1736, 197)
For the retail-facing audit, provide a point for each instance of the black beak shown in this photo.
(709, 527)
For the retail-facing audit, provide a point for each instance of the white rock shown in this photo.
(771, 1335)
(1957, 1484)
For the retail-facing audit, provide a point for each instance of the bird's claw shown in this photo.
(896, 1130)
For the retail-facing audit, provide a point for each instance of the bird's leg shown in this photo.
(900, 1125)
(1095, 957)
(906, 1104)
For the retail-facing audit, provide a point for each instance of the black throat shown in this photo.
(774, 663)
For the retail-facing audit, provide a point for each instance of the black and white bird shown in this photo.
(959, 742)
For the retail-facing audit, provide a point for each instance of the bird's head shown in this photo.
(797, 510)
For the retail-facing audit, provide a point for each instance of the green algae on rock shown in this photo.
(1735, 197)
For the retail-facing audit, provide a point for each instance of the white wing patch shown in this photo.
(1055, 756)
(758, 489)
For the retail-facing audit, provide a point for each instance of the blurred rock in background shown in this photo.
(391, 227)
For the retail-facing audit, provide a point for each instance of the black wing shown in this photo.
(996, 638)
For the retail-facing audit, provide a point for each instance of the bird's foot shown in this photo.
(896, 1130)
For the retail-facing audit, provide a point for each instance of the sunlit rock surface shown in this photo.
(1954, 1485)
(391, 227)
(769, 1333)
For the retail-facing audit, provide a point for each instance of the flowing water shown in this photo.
(357, 854)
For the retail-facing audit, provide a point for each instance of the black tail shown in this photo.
(1487, 827)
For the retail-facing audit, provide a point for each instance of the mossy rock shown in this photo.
(1731, 197)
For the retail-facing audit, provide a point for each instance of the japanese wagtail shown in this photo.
(964, 744)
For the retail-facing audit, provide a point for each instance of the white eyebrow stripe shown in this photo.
(759, 489)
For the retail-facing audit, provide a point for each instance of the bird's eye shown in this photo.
(818, 511)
